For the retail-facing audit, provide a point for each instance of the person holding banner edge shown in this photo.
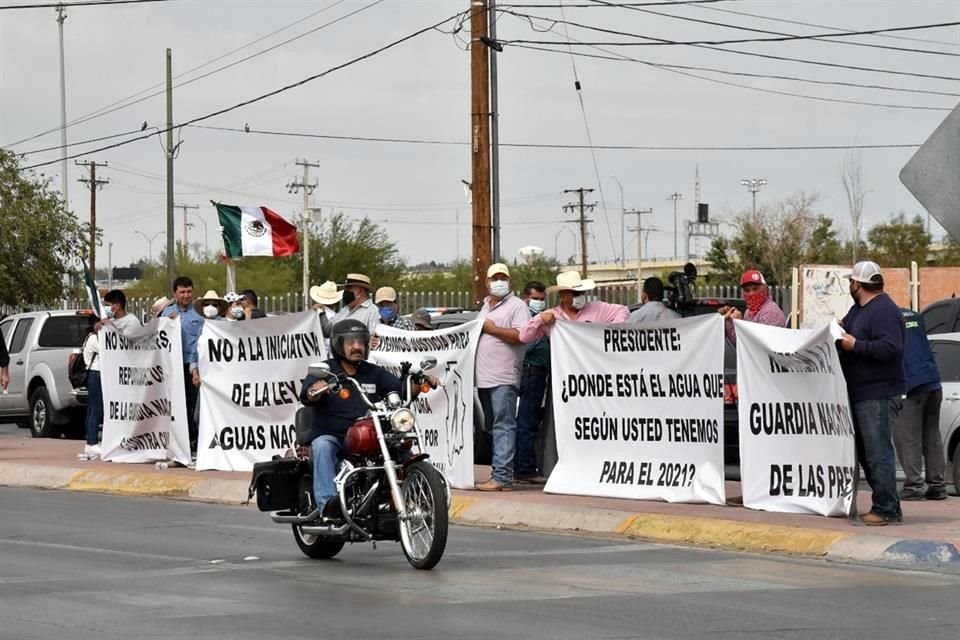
(760, 306)
(573, 305)
(871, 355)
(191, 324)
(533, 386)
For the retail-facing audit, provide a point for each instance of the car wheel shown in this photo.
(41, 415)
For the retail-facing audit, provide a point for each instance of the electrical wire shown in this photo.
(79, 3)
(102, 111)
(263, 96)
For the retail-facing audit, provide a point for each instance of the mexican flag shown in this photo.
(92, 292)
(256, 231)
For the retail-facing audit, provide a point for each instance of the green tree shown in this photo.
(40, 239)
(346, 246)
(897, 242)
(444, 279)
(825, 246)
(950, 256)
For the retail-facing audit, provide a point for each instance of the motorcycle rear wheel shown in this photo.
(423, 535)
(316, 547)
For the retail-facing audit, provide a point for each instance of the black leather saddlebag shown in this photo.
(281, 484)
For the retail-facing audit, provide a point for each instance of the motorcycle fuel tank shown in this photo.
(361, 439)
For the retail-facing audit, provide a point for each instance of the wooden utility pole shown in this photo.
(307, 187)
(480, 138)
(93, 183)
(170, 150)
(582, 221)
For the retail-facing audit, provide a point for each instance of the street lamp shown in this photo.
(206, 240)
(676, 237)
(556, 236)
(150, 240)
(753, 185)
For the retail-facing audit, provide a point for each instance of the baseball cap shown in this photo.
(498, 267)
(866, 271)
(388, 294)
(752, 276)
(421, 318)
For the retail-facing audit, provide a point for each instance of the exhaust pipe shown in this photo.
(325, 530)
(285, 517)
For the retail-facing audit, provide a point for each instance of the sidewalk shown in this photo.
(929, 536)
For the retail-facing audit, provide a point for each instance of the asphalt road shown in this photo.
(76, 565)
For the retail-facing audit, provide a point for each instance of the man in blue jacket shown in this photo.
(917, 432)
(871, 354)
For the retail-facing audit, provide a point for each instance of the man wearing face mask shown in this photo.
(357, 304)
(760, 306)
(533, 386)
(499, 353)
(327, 298)
(386, 301)
(572, 305)
(235, 312)
(191, 324)
(871, 354)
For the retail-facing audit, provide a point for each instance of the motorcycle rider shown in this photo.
(333, 414)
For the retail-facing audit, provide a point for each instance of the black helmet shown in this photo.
(349, 328)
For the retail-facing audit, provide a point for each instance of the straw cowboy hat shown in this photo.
(326, 293)
(571, 281)
(358, 280)
(210, 297)
(159, 305)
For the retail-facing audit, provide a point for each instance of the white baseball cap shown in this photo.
(866, 271)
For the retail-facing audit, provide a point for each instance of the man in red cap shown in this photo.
(760, 306)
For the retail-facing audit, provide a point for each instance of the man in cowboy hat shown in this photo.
(499, 352)
(386, 300)
(760, 306)
(357, 303)
(211, 306)
(327, 297)
(572, 304)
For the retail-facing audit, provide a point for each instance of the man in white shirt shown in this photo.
(357, 304)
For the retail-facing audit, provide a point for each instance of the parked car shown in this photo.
(946, 350)
(40, 395)
(942, 316)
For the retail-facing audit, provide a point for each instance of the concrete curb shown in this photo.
(487, 511)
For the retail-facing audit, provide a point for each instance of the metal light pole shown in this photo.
(623, 224)
(150, 240)
(676, 238)
(206, 240)
(61, 16)
(109, 266)
(753, 185)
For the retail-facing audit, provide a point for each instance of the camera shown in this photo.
(680, 295)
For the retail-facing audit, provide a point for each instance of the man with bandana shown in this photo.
(760, 306)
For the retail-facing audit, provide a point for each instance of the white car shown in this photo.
(946, 350)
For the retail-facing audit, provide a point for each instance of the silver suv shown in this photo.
(40, 395)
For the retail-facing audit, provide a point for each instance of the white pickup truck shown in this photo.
(40, 395)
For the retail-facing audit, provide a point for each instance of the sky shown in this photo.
(420, 90)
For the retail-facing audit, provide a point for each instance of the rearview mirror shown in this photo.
(319, 370)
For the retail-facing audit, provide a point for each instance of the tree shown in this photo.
(346, 246)
(825, 246)
(40, 239)
(897, 243)
(851, 175)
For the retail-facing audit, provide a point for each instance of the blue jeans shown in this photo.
(874, 420)
(324, 450)
(533, 385)
(94, 407)
(500, 412)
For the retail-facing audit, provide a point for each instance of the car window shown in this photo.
(947, 355)
(20, 335)
(939, 318)
(64, 331)
(5, 328)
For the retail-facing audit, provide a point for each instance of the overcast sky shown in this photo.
(420, 90)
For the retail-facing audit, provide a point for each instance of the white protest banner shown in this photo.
(797, 448)
(144, 405)
(639, 409)
(251, 373)
(444, 414)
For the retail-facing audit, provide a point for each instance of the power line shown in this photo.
(269, 94)
(661, 3)
(105, 110)
(659, 42)
(672, 69)
(79, 3)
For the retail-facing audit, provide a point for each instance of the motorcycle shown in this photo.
(387, 487)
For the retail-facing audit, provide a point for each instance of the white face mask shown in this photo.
(537, 305)
(210, 311)
(579, 302)
(236, 312)
(499, 288)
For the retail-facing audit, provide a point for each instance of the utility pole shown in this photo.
(186, 225)
(582, 221)
(753, 186)
(109, 266)
(480, 151)
(307, 187)
(676, 238)
(494, 133)
(639, 230)
(171, 256)
(61, 16)
(93, 183)
(623, 225)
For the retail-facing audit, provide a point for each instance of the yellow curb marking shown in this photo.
(729, 534)
(132, 483)
(458, 505)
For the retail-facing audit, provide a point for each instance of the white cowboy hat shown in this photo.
(160, 304)
(210, 297)
(327, 293)
(571, 281)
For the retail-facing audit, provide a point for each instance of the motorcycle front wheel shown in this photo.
(423, 534)
(315, 546)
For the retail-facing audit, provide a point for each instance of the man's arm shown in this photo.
(616, 314)
(509, 334)
(4, 364)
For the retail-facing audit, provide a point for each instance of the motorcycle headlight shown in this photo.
(402, 420)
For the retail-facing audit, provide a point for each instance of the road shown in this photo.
(81, 565)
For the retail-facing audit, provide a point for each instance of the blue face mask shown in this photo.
(387, 314)
(108, 313)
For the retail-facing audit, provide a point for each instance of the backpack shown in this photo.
(78, 370)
